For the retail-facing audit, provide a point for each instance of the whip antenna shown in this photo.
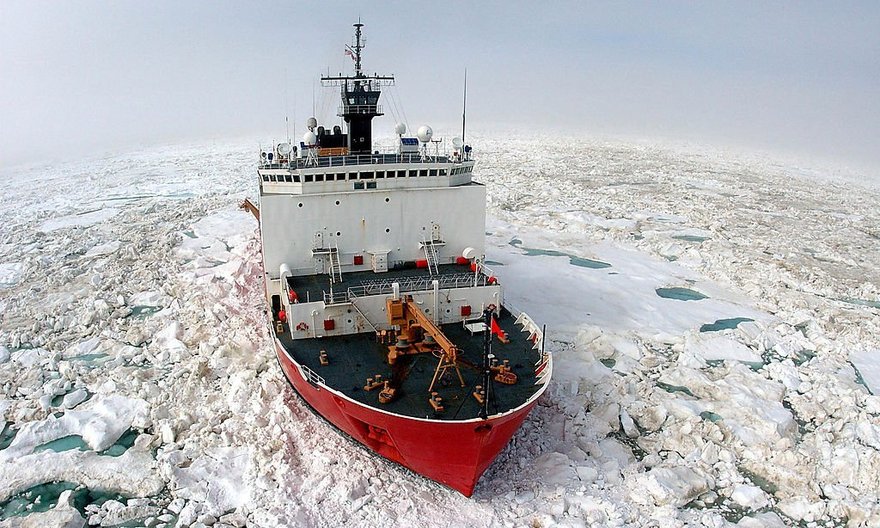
(464, 105)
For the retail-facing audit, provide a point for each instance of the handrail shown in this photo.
(310, 375)
(392, 157)
(407, 284)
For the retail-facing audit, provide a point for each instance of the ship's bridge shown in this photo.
(322, 174)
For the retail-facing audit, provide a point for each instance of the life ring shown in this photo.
(302, 326)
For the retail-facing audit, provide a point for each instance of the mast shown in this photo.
(360, 97)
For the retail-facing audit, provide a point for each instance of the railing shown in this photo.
(311, 376)
(358, 109)
(361, 159)
(407, 285)
(336, 297)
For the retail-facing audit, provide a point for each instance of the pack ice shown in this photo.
(715, 319)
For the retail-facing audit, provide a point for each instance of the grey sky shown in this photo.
(78, 78)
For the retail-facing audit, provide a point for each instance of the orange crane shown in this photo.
(419, 335)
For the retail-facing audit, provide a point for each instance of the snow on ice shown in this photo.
(715, 321)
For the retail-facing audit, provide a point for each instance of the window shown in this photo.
(413, 173)
(423, 172)
(340, 176)
(287, 178)
(432, 172)
(358, 185)
(309, 178)
(265, 178)
(296, 178)
(371, 185)
(319, 177)
(401, 174)
(380, 174)
(366, 175)
(444, 172)
(352, 175)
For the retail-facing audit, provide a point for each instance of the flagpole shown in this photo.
(487, 355)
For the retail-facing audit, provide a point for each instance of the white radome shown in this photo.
(311, 123)
(309, 138)
(284, 149)
(400, 129)
(457, 142)
(425, 133)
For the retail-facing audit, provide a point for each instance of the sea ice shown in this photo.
(640, 426)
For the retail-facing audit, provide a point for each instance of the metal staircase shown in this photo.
(335, 264)
(431, 256)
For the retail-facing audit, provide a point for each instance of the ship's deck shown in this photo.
(354, 358)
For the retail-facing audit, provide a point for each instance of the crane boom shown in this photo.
(405, 313)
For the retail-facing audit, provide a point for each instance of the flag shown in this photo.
(349, 53)
(495, 328)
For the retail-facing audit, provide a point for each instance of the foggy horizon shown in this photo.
(88, 77)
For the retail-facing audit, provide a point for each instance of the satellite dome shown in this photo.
(284, 149)
(425, 133)
(400, 129)
(309, 138)
(457, 142)
(311, 123)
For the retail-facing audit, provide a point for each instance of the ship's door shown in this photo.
(435, 232)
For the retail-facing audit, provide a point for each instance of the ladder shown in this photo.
(431, 256)
(335, 264)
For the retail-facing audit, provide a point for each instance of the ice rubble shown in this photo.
(146, 314)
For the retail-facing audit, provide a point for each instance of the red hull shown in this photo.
(454, 453)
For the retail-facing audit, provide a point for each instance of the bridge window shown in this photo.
(265, 178)
(423, 172)
(309, 178)
(319, 177)
(296, 178)
(413, 173)
(401, 174)
(432, 172)
(371, 185)
(358, 185)
(352, 175)
(380, 174)
(366, 175)
(444, 172)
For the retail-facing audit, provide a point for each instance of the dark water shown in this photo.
(44, 497)
(574, 260)
(691, 238)
(724, 324)
(680, 294)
